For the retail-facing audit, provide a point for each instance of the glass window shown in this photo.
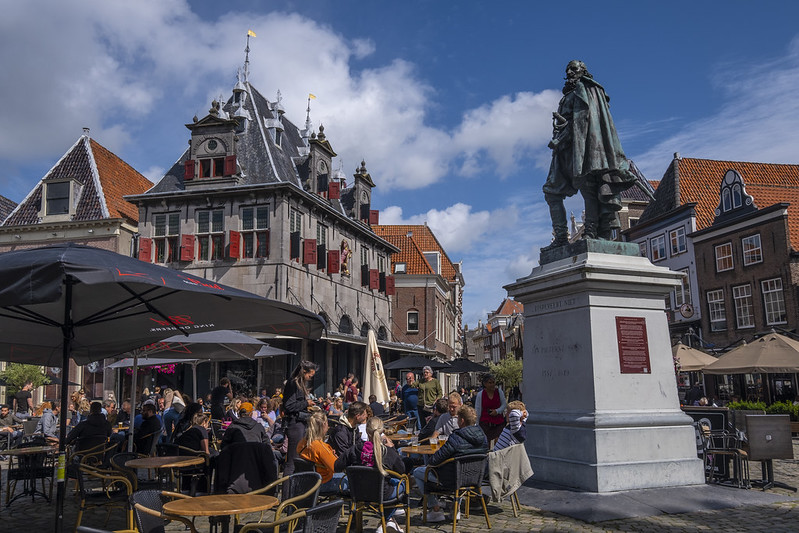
(753, 252)
(413, 321)
(773, 301)
(736, 196)
(211, 234)
(682, 294)
(434, 260)
(364, 255)
(254, 234)
(726, 200)
(642, 246)
(381, 263)
(295, 221)
(212, 168)
(321, 235)
(677, 240)
(724, 257)
(658, 245)
(400, 268)
(165, 237)
(716, 310)
(744, 316)
(57, 198)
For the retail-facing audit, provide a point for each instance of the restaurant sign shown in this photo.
(633, 345)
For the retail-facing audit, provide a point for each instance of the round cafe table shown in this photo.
(167, 462)
(220, 505)
(422, 449)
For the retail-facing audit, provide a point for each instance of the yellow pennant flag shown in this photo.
(251, 33)
(311, 96)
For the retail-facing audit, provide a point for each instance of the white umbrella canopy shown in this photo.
(691, 359)
(772, 353)
(375, 377)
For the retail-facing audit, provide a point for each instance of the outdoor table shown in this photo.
(166, 462)
(220, 505)
(29, 481)
(422, 449)
(400, 436)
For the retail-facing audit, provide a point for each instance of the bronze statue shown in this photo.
(586, 157)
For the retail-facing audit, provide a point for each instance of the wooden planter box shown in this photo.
(794, 428)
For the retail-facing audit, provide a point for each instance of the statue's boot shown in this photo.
(560, 229)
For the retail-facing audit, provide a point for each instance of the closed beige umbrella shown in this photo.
(691, 359)
(375, 376)
(770, 354)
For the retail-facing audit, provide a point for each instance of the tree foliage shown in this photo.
(508, 372)
(16, 375)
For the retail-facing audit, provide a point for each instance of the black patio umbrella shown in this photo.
(460, 366)
(414, 362)
(70, 301)
(55, 380)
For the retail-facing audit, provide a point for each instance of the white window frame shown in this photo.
(744, 306)
(408, 320)
(658, 247)
(717, 314)
(211, 239)
(400, 268)
(254, 231)
(723, 253)
(321, 234)
(364, 255)
(773, 301)
(677, 241)
(682, 294)
(166, 234)
(752, 250)
(436, 256)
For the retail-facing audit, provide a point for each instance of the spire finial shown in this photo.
(250, 33)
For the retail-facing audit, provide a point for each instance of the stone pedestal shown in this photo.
(599, 380)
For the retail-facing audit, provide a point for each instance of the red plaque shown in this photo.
(633, 345)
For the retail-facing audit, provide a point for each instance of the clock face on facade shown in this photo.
(687, 310)
(212, 144)
(322, 167)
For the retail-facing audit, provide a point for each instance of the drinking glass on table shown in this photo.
(433, 443)
(414, 442)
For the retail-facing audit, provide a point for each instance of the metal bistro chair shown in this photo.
(468, 472)
(724, 445)
(320, 519)
(113, 491)
(29, 469)
(148, 511)
(119, 464)
(298, 491)
(367, 486)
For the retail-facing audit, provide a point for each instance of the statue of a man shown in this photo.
(586, 157)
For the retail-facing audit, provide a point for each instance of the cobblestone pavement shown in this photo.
(23, 515)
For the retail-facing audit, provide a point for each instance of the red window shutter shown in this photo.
(334, 190)
(309, 252)
(234, 250)
(230, 165)
(189, 170)
(146, 250)
(374, 217)
(333, 262)
(374, 279)
(390, 290)
(187, 247)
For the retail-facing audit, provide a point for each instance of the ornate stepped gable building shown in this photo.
(79, 200)
(733, 228)
(254, 203)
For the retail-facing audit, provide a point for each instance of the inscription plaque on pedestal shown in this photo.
(633, 345)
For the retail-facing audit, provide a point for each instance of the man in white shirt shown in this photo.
(448, 422)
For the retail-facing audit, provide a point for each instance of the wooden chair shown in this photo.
(468, 472)
(367, 490)
(297, 492)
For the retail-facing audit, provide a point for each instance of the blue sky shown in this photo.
(449, 103)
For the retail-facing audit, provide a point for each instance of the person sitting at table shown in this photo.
(196, 437)
(314, 448)
(466, 440)
(232, 412)
(448, 422)
(186, 420)
(174, 407)
(8, 434)
(123, 415)
(439, 409)
(337, 407)
(91, 431)
(244, 429)
(377, 407)
(516, 430)
(378, 452)
(345, 429)
(149, 429)
(261, 415)
(48, 423)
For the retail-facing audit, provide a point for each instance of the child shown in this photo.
(516, 430)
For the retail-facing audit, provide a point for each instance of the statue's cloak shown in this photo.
(596, 149)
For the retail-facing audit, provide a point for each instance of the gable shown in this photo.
(412, 248)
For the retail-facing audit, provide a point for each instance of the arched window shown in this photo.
(736, 196)
(382, 333)
(345, 325)
(325, 317)
(726, 201)
(364, 329)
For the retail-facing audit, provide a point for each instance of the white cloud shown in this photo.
(457, 228)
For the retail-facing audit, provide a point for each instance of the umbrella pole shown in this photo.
(133, 399)
(66, 329)
(194, 380)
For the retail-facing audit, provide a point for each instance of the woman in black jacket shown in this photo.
(296, 400)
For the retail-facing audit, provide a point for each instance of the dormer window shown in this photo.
(400, 268)
(434, 259)
(733, 194)
(212, 168)
(57, 201)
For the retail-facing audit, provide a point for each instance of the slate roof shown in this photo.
(413, 241)
(6, 206)
(699, 180)
(104, 178)
(635, 194)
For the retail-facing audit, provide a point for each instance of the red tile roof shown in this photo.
(413, 241)
(508, 307)
(118, 179)
(699, 180)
